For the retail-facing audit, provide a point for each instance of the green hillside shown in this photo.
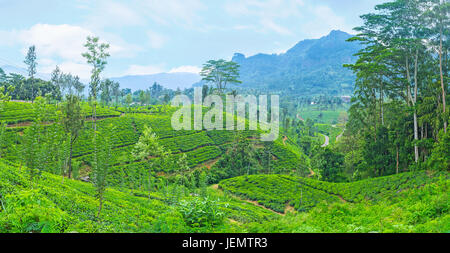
(277, 191)
(408, 202)
(344, 133)
(20, 112)
(51, 203)
(202, 148)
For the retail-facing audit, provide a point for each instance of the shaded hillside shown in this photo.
(310, 67)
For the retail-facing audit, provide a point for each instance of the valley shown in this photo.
(331, 131)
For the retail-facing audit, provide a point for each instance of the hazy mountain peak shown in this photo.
(311, 66)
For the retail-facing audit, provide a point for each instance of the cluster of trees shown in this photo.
(27, 88)
(44, 146)
(149, 149)
(154, 95)
(304, 132)
(398, 116)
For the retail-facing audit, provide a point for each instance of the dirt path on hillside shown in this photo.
(312, 173)
(255, 203)
(210, 163)
(29, 123)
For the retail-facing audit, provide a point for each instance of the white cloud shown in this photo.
(64, 41)
(67, 41)
(186, 69)
(63, 45)
(143, 70)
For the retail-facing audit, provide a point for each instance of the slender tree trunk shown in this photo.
(100, 207)
(95, 117)
(375, 113)
(442, 80)
(397, 160)
(70, 158)
(416, 127)
(408, 87)
(32, 90)
(381, 103)
(149, 183)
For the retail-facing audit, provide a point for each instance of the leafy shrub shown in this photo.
(201, 212)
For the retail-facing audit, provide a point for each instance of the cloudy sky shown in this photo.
(152, 36)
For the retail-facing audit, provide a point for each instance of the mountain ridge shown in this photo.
(310, 66)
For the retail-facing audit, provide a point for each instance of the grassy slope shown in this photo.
(200, 146)
(49, 204)
(18, 112)
(408, 202)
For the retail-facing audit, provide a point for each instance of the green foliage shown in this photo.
(102, 160)
(96, 56)
(73, 121)
(220, 73)
(328, 164)
(440, 158)
(422, 210)
(201, 212)
(18, 112)
(276, 191)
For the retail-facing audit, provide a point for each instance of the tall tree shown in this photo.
(56, 80)
(150, 150)
(116, 91)
(220, 73)
(96, 56)
(30, 61)
(73, 121)
(437, 21)
(106, 91)
(101, 164)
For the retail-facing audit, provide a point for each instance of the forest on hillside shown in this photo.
(95, 158)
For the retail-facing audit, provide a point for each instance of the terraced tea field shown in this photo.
(200, 146)
(278, 191)
(53, 204)
(20, 112)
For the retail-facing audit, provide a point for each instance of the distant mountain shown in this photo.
(22, 71)
(167, 80)
(134, 82)
(311, 67)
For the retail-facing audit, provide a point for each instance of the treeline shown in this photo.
(62, 84)
(398, 118)
(154, 95)
(65, 84)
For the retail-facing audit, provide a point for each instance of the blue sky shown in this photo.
(153, 36)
